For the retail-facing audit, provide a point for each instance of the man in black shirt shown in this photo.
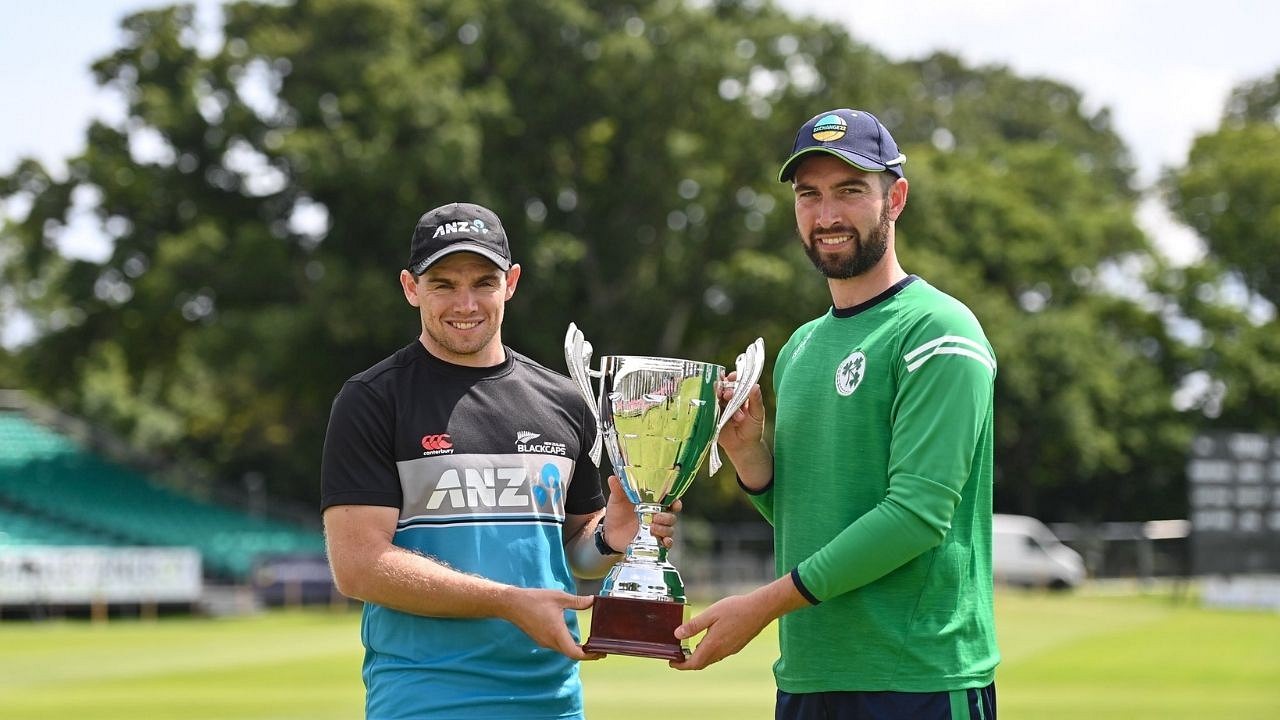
(459, 498)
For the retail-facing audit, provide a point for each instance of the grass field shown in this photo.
(1069, 656)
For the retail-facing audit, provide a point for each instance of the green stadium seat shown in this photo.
(49, 476)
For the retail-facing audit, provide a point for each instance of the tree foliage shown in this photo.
(1229, 193)
(259, 199)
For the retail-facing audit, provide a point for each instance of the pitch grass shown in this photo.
(1069, 656)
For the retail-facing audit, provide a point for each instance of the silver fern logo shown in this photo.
(525, 436)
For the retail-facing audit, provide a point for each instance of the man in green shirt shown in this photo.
(879, 481)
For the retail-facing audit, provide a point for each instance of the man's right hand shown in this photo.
(540, 614)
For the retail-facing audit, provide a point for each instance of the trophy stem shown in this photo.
(644, 546)
(644, 572)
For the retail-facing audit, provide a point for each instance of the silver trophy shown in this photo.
(658, 417)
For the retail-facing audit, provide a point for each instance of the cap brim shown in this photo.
(487, 253)
(862, 163)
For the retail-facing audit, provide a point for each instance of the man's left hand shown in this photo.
(730, 623)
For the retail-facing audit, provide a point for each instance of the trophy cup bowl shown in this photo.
(659, 417)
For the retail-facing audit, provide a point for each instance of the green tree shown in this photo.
(259, 200)
(1028, 235)
(1229, 193)
(219, 328)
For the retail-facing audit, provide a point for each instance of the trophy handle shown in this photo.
(749, 364)
(577, 354)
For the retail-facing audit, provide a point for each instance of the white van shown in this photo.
(1027, 554)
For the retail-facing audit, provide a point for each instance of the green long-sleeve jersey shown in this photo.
(881, 498)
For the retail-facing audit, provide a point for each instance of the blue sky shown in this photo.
(46, 49)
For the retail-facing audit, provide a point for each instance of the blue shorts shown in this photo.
(976, 704)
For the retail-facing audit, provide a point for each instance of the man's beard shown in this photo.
(863, 257)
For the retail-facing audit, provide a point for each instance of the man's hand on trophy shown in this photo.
(621, 523)
(742, 437)
(730, 623)
(539, 612)
(745, 429)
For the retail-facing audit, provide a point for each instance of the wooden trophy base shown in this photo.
(643, 628)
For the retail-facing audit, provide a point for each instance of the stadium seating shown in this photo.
(19, 529)
(54, 492)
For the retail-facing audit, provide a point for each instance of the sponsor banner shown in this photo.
(1242, 591)
(75, 575)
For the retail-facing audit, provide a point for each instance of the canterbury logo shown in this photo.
(525, 436)
(436, 442)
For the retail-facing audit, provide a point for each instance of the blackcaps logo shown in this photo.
(548, 447)
(850, 373)
(831, 127)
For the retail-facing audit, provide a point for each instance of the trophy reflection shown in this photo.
(658, 417)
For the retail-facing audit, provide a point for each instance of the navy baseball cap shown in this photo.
(854, 136)
(458, 227)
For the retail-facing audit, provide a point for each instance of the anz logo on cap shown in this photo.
(474, 226)
(831, 127)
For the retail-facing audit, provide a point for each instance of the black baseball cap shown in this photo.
(855, 136)
(458, 227)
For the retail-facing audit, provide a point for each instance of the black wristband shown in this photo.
(601, 544)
